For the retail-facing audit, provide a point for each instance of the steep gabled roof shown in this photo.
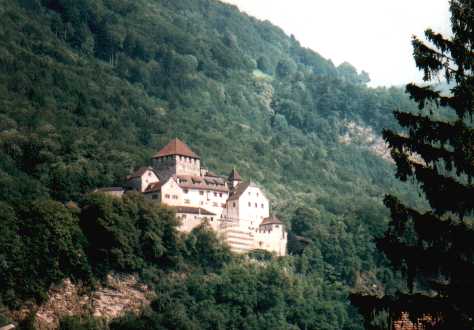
(239, 190)
(234, 176)
(153, 187)
(272, 220)
(142, 170)
(176, 147)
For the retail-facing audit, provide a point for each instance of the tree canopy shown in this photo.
(433, 247)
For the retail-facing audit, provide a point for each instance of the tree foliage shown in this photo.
(89, 90)
(433, 247)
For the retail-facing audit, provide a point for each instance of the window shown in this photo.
(185, 191)
(215, 194)
(250, 193)
(202, 203)
(250, 204)
(256, 205)
(175, 196)
(214, 204)
(233, 204)
(220, 194)
(263, 206)
(167, 196)
(187, 201)
(201, 192)
(257, 194)
(154, 196)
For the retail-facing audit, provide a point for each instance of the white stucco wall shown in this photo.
(188, 166)
(147, 178)
(272, 238)
(253, 207)
(171, 193)
(213, 201)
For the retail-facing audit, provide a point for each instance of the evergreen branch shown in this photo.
(423, 94)
(460, 159)
(445, 194)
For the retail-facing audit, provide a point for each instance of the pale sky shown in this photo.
(372, 35)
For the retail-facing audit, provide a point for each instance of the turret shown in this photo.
(176, 158)
(234, 179)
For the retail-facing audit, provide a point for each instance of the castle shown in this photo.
(238, 211)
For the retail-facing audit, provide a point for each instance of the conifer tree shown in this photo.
(434, 248)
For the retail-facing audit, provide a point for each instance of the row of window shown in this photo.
(256, 205)
(184, 217)
(201, 192)
(167, 196)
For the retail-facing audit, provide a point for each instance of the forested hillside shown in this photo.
(89, 89)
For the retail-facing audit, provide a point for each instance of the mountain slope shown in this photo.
(90, 89)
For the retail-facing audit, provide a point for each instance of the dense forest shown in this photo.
(89, 89)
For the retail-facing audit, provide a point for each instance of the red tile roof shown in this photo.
(176, 147)
(206, 183)
(240, 189)
(153, 187)
(272, 220)
(234, 176)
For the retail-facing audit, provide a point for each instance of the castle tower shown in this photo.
(234, 179)
(176, 158)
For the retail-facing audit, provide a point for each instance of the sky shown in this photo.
(373, 35)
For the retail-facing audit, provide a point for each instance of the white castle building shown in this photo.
(238, 211)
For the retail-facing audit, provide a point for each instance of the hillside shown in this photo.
(90, 89)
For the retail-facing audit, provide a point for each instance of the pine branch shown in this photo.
(460, 157)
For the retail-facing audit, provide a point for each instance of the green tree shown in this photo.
(434, 248)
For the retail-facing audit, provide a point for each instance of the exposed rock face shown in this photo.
(406, 324)
(119, 295)
(365, 137)
(264, 90)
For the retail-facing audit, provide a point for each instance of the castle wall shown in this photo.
(171, 193)
(231, 211)
(190, 221)
(165, 167)
(168, 166)
(142, 182)
(238, 221)
(188, 166)
(253, 208)
(213, 201)
(272, 238)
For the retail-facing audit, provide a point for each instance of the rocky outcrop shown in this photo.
(119, 294)
(366, 138)
(406, 324)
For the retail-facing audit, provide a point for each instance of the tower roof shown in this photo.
(176, 147)
(234, 176)
(272, 220)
